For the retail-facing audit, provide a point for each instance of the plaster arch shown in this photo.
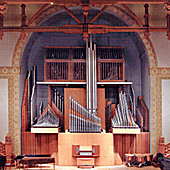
(19, 48)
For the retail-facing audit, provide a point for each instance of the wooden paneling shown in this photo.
(112, 147)
(78, 94)
(66, 140)
(143, 143)
(28, 143)
(40, 144)
(101, 106)
(123, 144)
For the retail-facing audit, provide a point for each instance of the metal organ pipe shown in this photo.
(91, 77)
(134, 102)
(29, 88)
(33, 100)
(81, 120)
(123, 116)
(55, 97)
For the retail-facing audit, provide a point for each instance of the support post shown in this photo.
(23, 16)
(8, 148)
(146, 16)
(2, 11)
(162, 144)
(85, 9)
(23, 20)
(168, 20)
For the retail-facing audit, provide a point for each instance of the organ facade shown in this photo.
(74, 102)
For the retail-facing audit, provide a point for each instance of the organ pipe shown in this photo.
(81, 120)
(33, 98)
(91, 77)
(123, 117)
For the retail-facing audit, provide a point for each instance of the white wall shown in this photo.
(166, 110)
(161, 45)
(3, 109)
(7, 46)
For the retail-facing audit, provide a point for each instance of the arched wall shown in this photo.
(152, 58)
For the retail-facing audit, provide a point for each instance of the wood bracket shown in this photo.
(23, 16)
(167, 7)
(98, 14)
(85, 2)
(36, 15)
(2, 11)
(86, 9)
(23, 21)
(132, 13)
(72, 15)
(146, 16)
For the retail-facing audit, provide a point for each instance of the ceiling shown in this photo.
(156, 10)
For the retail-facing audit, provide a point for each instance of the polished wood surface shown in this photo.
(143, 117)
(66, 140)
(24, 108)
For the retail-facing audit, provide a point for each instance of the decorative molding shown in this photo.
(159, 71)
(157, 75)
(9, 70)
(10, 108)
(127, 18)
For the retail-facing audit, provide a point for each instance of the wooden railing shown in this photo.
(164, 148)
(2, 149)
(111, 70)
(143, 114)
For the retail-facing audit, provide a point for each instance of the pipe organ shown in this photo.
(48, 119)
(123, 116)
(81, 120)
(77, 81)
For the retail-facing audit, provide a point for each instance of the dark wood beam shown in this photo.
(72, 15)
(98, 14)
(132, 13)
(37, 13)
(78, 29)
(79, 2)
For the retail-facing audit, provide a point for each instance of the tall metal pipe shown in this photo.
(91, 77)
(58, 99)
(55, 97)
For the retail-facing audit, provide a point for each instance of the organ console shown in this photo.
(85, 151)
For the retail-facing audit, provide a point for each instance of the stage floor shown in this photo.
(119, 167)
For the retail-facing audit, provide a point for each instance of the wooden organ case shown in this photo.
(66, 68)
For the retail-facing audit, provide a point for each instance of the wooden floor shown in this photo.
(120, 167)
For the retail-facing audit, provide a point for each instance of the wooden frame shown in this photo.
(51, 64)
